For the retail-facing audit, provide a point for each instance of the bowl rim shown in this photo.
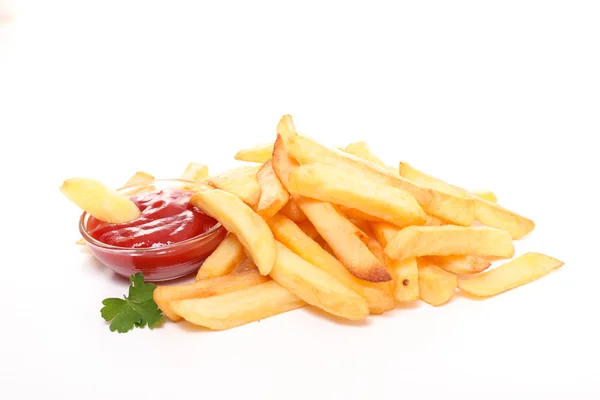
(90, 240)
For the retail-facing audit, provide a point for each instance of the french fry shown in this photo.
(238, 308)
(164, 295)
(343, 237)
(307, 227)
(195, 172)
(283, 164)
(241, 182)
(293, 212)
(259, 154)
(347, 187)
(449, 240)
(226, 257)
(377, 295)
(237, 218)
(384, 232)
(362, 150)
(486, 212)
(139, 177)
(520, 271)
(485, 195)
(316, 287)
(375, 248)
(353, 213)
(273, 195)
(100, 201)
(346, 240)
(450, 208)
(406, 279)
(436, 286)
(405, 273)
(285, 127)
(461, 265)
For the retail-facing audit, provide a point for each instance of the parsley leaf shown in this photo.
(137, 310)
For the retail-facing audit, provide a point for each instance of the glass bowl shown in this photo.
(158, 263)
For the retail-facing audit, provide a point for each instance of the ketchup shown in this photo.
(167, 217)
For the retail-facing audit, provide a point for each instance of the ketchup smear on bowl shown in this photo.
(167, 217)
(153, 243)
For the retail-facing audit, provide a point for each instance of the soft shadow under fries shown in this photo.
(189, 327)
(465, 295)
(409, 305)
(335, 319)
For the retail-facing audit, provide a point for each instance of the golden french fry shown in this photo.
(377, 295)
(237, 218)
(293, 212)
(285, 127)
(375, 248)
(343, 237)
(406, 279)
(195, 172)
(353, 213)
(100, 201)
(485, 195)
(520, 271)
(316, 287)
(362, 150)
(347, 187)
(273, 195)
(346, 240)
(486, 212)
(259, 154)
(450, 208)
(461, 265)
(226, 257)
(450, 240)
(404, 272)
(384, 232)
(241, 182)
(139, 177)
(164, 295)
(436, 286)
(307, 227)
(283, 164)
(238, 308)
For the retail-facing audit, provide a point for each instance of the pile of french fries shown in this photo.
(339, 230)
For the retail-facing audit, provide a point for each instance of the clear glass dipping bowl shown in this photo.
(160, 263)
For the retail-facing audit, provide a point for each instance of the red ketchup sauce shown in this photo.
(167, 217)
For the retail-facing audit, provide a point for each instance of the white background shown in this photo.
(502, 95)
